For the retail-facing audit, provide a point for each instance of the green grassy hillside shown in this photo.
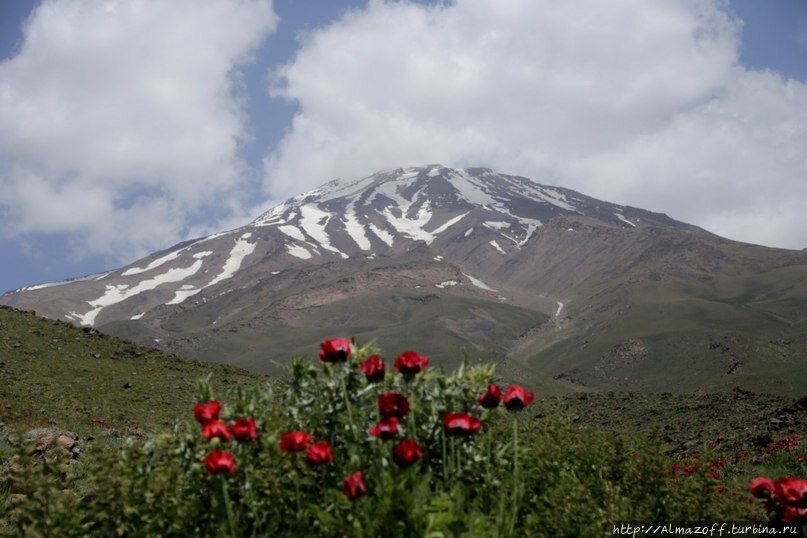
(53, 374)
(447, 328)
(682, 334)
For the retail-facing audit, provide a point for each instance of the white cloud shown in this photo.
(633, 101)
(120, 120)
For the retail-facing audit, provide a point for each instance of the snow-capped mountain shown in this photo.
(455, 211)
(506, 258)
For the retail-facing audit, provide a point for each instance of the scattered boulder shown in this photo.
(55, 449)
(51, 443)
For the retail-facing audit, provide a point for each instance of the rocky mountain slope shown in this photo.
(563, 290)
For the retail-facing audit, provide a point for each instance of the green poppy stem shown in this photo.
(347, 404)
(488, 459)
(516, 479)
(297, 497)
(446, 468)
(454, 466)
(228, 507)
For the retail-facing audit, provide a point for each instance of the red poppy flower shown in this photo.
(294, 441)
(319, 452)
(205, 412)
(491, 398)
(761, 487)
(517, 398)
(791, 513)
(385, 429)
(353, 487)
(406, 453)
(790, 490)
(218, 462)
(373, 368)
(410, 363)
(334, 350)
(392, 404)
(243, 429)
(216, 428)
(460, 424)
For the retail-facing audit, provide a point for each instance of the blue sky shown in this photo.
(386, 84)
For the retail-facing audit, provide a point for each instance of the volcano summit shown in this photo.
(558, 287)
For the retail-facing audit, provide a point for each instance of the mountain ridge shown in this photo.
(474, 261)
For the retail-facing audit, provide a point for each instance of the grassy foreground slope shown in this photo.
(589, 450)
(53, 374)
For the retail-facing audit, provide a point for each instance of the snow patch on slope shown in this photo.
(354, 228)
(292, 231)
(470, 189)
(621, 217)
(412, 228)
(298, 251)
(384, 235)
(181, 295)
(154, 264)
(240, 250)
(117, 293)
(478, 283)
(314, 220)
(495, 245)
(272, 217)
(448, 224)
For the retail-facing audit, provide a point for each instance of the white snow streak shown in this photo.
(621, 217)
(446, 283)
(271, 217)
(478, 283)
(241, 250)
(181, 295)
(355, 229)
(560, 307)
(298, 251)
(314, 220)
(154, 264)
(412, 228)
(292, 231)
(384, 235)
(344, 189)
(121, 292)
(469, 188)
(497, 247)
(448, 224)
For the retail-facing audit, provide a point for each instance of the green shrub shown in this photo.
(482, 471)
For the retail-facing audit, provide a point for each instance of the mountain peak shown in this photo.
(462, 213)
